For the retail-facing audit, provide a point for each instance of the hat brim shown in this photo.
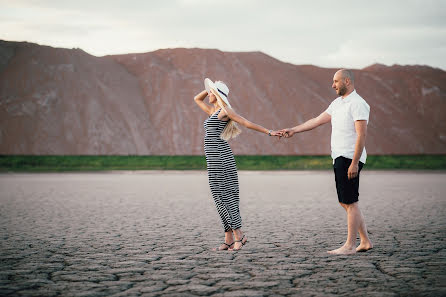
(209, 84)
(210, 87)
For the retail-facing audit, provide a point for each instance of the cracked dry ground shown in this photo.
(151, 234)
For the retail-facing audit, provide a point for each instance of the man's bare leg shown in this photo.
(354, 219)
(365, 243)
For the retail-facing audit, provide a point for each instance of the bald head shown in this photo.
(343, 82)
(347, 73)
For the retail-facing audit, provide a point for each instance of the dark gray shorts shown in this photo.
(348, 189)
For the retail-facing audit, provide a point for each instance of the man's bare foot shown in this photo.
(343, 250)
(364, 247)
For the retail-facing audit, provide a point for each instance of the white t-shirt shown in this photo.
(344, 112)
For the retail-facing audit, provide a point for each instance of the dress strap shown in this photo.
(215, 113)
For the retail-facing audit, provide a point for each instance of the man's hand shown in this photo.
(287, 133)
(353, 171)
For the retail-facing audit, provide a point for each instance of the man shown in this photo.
(349, 115)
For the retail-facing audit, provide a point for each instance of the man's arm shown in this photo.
(323, 118)
(361, 131)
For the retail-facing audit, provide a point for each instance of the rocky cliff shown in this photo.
(65, 101)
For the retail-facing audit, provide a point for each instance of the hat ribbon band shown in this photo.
(222, 92)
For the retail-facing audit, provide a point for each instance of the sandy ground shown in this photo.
(151, 234)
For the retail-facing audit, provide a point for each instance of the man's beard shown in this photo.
(342, 90)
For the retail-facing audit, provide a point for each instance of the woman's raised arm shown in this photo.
(199, 99)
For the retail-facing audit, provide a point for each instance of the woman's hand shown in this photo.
(275, 133)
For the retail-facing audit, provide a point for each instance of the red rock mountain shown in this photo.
(65, 101)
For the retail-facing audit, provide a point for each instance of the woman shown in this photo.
(222, 171)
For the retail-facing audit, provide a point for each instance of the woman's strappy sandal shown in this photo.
(241, 241)
(228, 246)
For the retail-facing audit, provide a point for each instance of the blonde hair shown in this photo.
(231, 130)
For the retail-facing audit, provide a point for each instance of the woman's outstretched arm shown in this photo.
(248, 124)
(199, 99)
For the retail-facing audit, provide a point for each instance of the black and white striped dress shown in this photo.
(222, 173)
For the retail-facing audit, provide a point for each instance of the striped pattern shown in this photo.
(222, 173)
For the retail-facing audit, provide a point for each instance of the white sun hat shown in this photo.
(219, 88)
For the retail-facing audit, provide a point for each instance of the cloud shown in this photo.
(325, 33)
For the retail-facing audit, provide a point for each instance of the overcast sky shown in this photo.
(332, 33)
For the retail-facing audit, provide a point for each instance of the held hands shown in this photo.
(287, 133)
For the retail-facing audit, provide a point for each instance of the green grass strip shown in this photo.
(22, 163)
